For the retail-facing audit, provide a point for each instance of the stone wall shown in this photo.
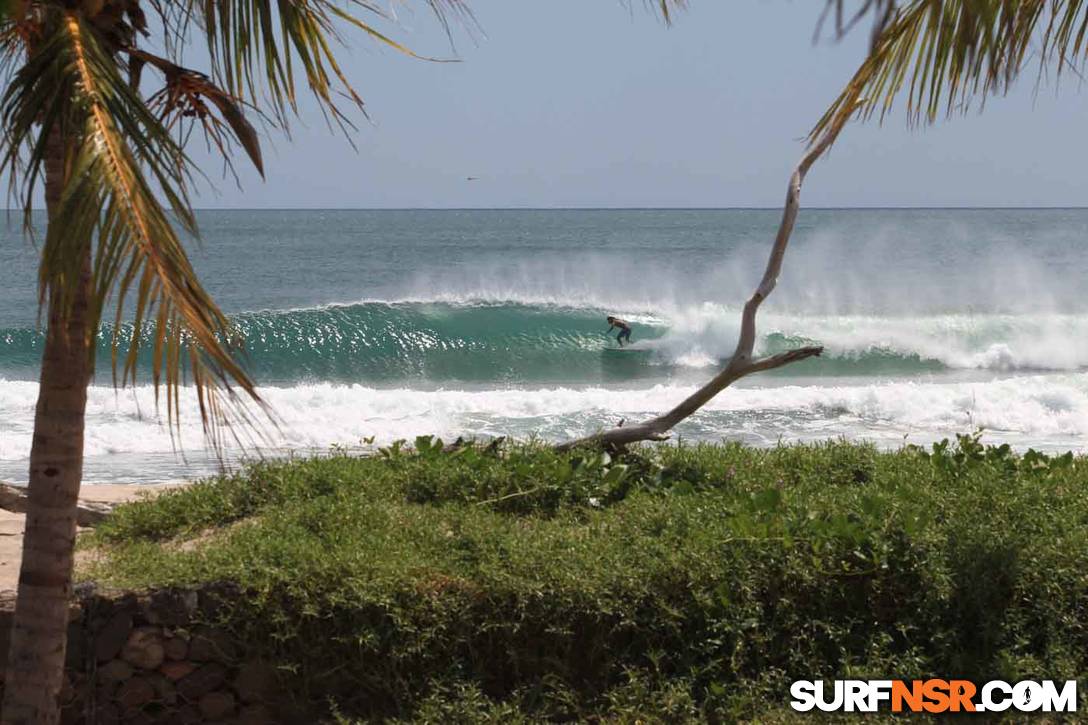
(152, 658)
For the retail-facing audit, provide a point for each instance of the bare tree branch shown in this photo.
(742, 363)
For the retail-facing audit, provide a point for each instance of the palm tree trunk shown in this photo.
(35, 667)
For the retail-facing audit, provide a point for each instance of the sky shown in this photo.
(593, 103)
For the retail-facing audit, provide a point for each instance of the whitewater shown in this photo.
(362, 328)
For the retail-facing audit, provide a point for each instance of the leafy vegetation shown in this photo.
(507, 584)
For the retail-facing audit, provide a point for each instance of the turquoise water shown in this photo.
(396, 323)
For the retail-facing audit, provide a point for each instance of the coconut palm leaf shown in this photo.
(187, 94)
(138, 247)
(945, 56)
(123, 166)
(260, 52)
(845, 19)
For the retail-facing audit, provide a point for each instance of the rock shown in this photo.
(255, 682)
(112, 637)
(80, 690)
(144, 648)
(211, 645)
(165, 690)
(176, 670)
(202, 681)
(134, 694)
(75, 612)
(216, 705)
(107, 714)
(187, 715)
(84, 590)
(104, 691)
(255, 715)
(115, 671)
(75, 654)
(175, 648)
(174, 607)
(217, 598)
(73, 715)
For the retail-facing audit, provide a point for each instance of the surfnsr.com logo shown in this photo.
(933, 696)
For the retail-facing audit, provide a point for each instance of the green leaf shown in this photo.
(767, 500)
(615, 475)
(682, 488)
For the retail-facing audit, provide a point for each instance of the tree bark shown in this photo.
(35, 667)
(742, 362)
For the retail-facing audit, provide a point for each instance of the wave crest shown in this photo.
(507, 342)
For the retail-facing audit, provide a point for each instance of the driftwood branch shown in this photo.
(742, 362)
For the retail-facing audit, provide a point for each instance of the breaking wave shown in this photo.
(447, 342)
(1043, 411)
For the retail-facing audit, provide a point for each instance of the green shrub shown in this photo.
(661, 585)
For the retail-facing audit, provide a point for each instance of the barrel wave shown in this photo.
(439, 344)
(364, 327)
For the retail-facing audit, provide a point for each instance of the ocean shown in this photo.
(382, 325)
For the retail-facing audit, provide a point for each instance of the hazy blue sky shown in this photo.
(589, 103)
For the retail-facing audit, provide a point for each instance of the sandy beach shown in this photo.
(11, 524)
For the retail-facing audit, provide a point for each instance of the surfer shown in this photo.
(625, 329)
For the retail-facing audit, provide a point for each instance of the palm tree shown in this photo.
(74, 119)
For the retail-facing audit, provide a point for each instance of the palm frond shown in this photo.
(191, 95)
(263, 52)
(124, 162)
(844, 20)
(945, 56)
(33, 103)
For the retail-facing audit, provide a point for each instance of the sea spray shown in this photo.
(434, 344)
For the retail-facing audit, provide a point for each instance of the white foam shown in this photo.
(1039, 410)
